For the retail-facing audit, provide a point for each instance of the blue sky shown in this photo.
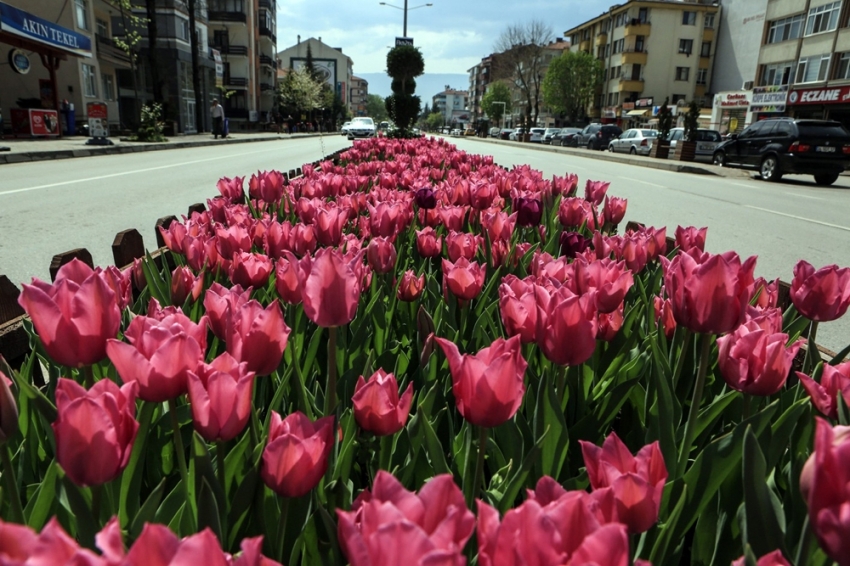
(452, 34)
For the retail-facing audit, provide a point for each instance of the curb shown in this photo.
(95, 151)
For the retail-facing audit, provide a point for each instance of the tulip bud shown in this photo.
(377, 406)
(410, 287)
(425, 198)
(8, 410)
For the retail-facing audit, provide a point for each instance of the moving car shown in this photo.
(634, 141)
(778, 146)
(597, 136)
(361, 127)
(707, 142)
(566, 137)
(344, 129)
(549, 133)
(537, 135)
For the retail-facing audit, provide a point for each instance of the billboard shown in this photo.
(325, 68)
(769, 99)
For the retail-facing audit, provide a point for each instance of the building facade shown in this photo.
(738, 41)
(453, 104)
(650, 50)
(480, 77)
(359, 96)
(330, 62)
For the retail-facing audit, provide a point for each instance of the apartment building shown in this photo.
(805, 52)
(480, 77)
(244, 32)
(330, 62)
(359, 96)
(651, 50)
(453, 104)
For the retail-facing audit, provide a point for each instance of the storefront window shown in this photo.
(89, 81)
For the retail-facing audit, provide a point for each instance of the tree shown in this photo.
(404, 64)
(128, 42)
(665, 120)
(570, 83)
(692, 122)
(521, 62)
(299, 93)
(496, 102)
(157, 82)
(434, 121)
(375, 108)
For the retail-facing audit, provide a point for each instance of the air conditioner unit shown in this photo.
(748, 85)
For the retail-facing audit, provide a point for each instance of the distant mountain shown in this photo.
(427, 85)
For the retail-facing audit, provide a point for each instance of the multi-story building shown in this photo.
(650, 50)
(738, 40)
(359, 96)
(480, 77)
(330, 62)
(244, 32)
(453, 105)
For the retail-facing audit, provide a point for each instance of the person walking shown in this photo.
(217, 113)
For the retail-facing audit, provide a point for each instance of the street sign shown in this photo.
(403, 41)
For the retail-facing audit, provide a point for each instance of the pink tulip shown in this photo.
(709, 293)
(381, 255)
(765, 295)
(121, 284)
(302, 240)
(664, 316)
(499, 225)
(95, 430)
(518, 308)
(488, 386)
(611, 281)
(232, 240)
(821, 295)
(257, 336)
(329, 223)
(219, 301)
(609, 324)
(410, 287)
(573, 212)
(637, 482)
(185, 284)
(428, 244)
(461, 244)
(453, 217)
(566, 326)
(774, 558)
(160, 354)
(386, 219)
(296, 456)
(330, 286)
(75, 316)
(250, 270)
(220, 394)
(755, 361)
(834, 380)
(231, 189)
(267, 185)
(286, 281)
(391, 525)
(377, 406)
(594, 191)
(614, 210)
(464, 278)
(633, 250)
(690, 238)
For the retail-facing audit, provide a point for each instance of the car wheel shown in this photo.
(633, 151)
(770, 169)
(590, 145)
(719, 159)
(611, 148)
(826, 179)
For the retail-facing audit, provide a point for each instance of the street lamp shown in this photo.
(405, 11)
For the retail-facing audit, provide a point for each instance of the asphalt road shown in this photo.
(54, 206)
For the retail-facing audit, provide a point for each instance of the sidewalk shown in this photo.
(24, 150)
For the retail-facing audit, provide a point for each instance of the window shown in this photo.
(689, 18)
(682, 73)
(777, 74)
(618, 46)
(844, 66)
(643, 15)
(705, 50)
(102, 27)
(814, 68)
(686, 46)
(785, 29)
(639, 43)
(823, 18)
(182, 29)
(709, 21)
(89, 81)
(108, 85)
(82, 13)
(702, 76)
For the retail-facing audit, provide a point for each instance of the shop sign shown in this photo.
(25, 25)
(769, 99)
(828, 95)
(732, 100)
(628, 106)
(609, 112)
(219, 67)
(19, 61)
(97, 116)
(644, 102)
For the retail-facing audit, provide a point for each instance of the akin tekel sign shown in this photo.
(27, 26)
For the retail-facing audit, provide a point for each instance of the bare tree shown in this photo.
(521, 48)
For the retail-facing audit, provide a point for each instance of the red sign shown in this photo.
(97, 110)
(35, 122)
(828, 95)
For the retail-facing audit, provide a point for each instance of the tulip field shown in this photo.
(410, 355)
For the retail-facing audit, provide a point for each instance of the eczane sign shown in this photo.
(827, 95)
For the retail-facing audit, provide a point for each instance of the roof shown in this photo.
(617, 8)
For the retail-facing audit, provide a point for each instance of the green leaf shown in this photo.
(131, 477)
(208, 510)
(241, 503)
(664, 410)
(436, 455)
(516, 483)
(40, 506)
(81, 507)
(552, 429)
(765, 524)
(668, 530)
(147, 512)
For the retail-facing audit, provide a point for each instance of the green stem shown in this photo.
(330, 394)
(386, 452)
(281, 527)
(747, 400)
(181, 460)
(680, 363)
(805, 541)
(693, 412)
(88, 377)
(479, 465)
(96, 501)
(221, 455)
(810, 345)
(11, 485)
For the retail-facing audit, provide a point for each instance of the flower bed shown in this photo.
(416, 355)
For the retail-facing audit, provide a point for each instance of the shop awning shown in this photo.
(641, 112)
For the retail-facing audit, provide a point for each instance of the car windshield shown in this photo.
(649, 133)
(363, 122)
(708, 135)
(830, 129)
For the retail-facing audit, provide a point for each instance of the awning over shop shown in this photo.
(641, 112)
(29, 29)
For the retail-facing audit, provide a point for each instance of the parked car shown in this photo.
(516, 134)
(505, 133)
(597, 136)
(455, 132)
(707, 142)
(494, 132)
(549, 133)
(469, 132)
(361, 127)
(778, 146)
(634, 141)
(566, 137)
(537, 135)
(344, 129)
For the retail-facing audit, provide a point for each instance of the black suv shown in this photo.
(596, 136)
(777, 146)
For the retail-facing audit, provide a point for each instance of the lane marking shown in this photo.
(845, 228)
(746, 185)
(182, 163)
(803, 196)
(644, 182)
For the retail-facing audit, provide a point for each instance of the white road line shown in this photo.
(644, 182)
(745, 185)
(845, 228)
(803, 196)
(182, 163)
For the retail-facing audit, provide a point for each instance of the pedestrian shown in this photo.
(217, 113)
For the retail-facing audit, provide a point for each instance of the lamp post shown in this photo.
(405, 9)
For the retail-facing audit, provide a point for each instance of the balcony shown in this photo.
(630, 85)
(584, 46)
(601, 38)
(708, 34)
(266, 87)
(267, 33)
(633, 57)
(233, 50)
(108, 49)
(235, 81)
(637, 27)
(235, 17)
(268, 61)
(267, 4)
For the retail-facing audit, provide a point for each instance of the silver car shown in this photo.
(547, 135)
(635, 141)
(361, 128)
(537, 135)
(707, 142)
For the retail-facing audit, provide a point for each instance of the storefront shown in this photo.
(730, 112)
(824, 103)
(768, 101)
(636, 114)
(610, 115)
